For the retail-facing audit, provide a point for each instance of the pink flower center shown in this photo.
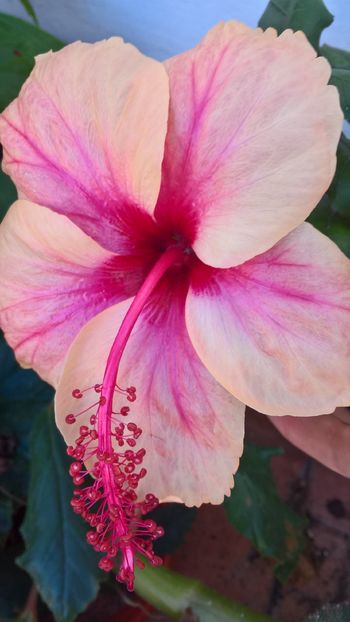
(108, 501)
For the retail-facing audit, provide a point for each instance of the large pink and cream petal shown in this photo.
(192, 428)
(327, 438)
(276, 330)
(86, 136)
(252, 136)
(54, 278)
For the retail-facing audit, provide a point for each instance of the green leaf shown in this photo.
(176, 519)
(331, 613)
(332, 215)
(257, 511)
(340, 62)
(339, 192)
(63, 566)
(17, 384)
(5, 518)
(14, 583)
(8, 194)
(182, 598)
(15, 424)
(19, 43)
(311, 16)
(329, 222)
(22, 396)
(28, 7)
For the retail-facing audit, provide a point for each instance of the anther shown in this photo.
(77, 394)
(106, 564)
(74, 468)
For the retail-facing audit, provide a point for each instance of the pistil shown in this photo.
(109, 502)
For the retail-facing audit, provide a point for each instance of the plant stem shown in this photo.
(175, 595)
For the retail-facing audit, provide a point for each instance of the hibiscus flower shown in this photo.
(158, 254)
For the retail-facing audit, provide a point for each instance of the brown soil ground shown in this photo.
(220, 556)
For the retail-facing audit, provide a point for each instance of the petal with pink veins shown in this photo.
(192, 428)
(85, 137)
(327, 438)
(54, 278)
(252, 136)
(275, 332)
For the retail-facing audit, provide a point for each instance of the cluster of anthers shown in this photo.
(105, 483)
